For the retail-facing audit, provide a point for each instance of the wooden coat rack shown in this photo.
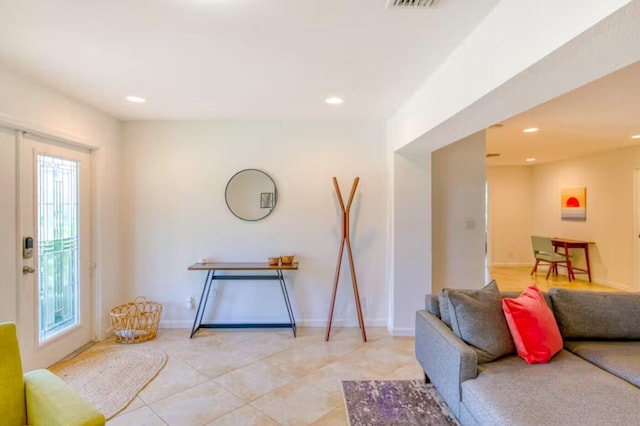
(346, 242)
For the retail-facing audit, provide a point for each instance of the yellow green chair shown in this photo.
(38, 397)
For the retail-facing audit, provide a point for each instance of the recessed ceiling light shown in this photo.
(136, 99)
(334, 100)
(531, 130)
(635, 137)
(530, 160)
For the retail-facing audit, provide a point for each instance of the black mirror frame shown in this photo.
(275, 195)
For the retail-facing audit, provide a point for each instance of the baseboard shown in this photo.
(341, 323)
(403, 332)
(106, 334)
(175, 324)
(299, 323)
(611, 284)
(516, 264)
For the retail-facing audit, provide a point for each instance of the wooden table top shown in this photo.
(240, 266)
(570, 241)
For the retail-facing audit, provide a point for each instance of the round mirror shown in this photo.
(251, 194)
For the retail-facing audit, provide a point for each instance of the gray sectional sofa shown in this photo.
(594, 380)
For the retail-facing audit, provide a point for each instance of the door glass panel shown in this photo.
(58, 236)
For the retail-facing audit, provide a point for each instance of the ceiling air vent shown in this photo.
(422, 4)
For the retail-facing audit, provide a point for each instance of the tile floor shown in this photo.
(267, 377)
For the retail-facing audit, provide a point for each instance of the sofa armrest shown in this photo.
(446, 359)
(51, 402)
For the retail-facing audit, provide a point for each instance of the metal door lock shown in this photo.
(27, 247)
(28, 270)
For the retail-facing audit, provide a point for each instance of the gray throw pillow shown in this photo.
(583, 314)
(478, 319)
(432, 305)
(443, 302)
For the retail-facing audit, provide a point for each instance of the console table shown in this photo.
(213, 270)
(567, 244)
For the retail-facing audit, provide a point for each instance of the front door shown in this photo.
(54, 290)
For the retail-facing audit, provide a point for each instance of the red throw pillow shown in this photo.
(533, 327)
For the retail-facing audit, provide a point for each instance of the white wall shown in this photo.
(411, 253)
(175, 214)
(8, 255)
(511, 210)
(458, 209)
(515, 35)
(525, 201)
(28, 105)
(610, 181)
(491, 76)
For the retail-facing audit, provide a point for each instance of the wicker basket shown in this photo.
(136, 321)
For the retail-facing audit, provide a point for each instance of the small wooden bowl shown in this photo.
(286, 260)
(273, 261)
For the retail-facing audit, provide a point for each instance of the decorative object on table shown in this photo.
(573, 204)
(251, 195)
(110, 377)
(287, 260)
(345, 241)
(395, 402)
(136, 321)
(274, 261)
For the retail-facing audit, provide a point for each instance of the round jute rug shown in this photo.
(110, 377)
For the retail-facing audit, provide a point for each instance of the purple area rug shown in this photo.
(395, 402)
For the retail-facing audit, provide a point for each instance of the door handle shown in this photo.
(28, 270)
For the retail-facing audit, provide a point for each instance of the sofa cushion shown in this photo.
(596, 315)
(533, 326)
(432, 305)
(443, 302)
(566, 391)
(477, 318)
(619, 358)
(439, 304)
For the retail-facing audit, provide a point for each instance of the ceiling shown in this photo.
(279, 59)
(597, 117)
(249, 59)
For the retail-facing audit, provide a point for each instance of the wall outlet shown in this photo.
(190, 303)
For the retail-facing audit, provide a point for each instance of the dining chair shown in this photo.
(543, 251)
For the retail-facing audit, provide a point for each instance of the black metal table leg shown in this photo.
(208, 281)
(287, 302)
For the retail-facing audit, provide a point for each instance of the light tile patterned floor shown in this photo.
(265, 377)
(269, 378)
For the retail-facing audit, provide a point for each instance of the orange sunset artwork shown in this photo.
(573, 204)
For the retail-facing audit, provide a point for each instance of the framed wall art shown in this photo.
(573, 204)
